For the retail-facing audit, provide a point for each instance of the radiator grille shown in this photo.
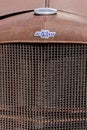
(43, 87)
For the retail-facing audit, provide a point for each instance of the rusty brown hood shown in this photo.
(73, 6)
(69, 24)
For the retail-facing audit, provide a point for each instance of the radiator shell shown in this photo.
(43, 82)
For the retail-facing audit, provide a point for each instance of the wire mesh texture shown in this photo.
(43, 86)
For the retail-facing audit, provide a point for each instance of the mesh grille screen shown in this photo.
(43, 87)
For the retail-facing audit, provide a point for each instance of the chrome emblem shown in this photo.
(44, 34)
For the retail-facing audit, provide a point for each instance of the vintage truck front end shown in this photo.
(43, 68)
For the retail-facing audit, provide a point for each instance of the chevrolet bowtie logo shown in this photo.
(44, 34)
